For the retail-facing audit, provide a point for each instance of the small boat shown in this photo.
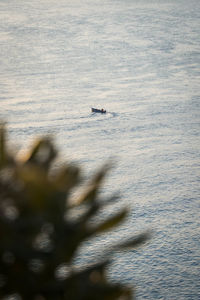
(96, 110)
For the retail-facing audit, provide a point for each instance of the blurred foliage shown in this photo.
(39, 239)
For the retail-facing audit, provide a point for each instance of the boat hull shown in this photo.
(96, 110)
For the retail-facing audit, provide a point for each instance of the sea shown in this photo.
(139, 60)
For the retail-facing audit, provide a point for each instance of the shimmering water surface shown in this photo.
(140, 60)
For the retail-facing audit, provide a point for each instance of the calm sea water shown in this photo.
(139, 60)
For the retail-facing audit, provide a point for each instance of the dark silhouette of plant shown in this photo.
(38, 236)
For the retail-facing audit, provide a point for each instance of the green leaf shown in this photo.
(134, 242)
(2, 146)
(67, 177)
(111, 222)
(90, 195)
(100, 175)
(42, 153)
(91, 211)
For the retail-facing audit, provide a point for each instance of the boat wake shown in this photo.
(113, 114)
